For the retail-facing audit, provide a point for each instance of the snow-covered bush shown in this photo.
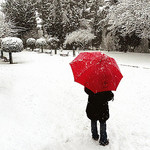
(131, 17)
(79, 37)
(130, 21)
(31, 43)
(10, 45)
(40, 43)
(125, 25)
(53, 42)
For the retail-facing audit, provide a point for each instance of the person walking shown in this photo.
(97, 110)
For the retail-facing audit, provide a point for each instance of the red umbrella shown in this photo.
(96, 71)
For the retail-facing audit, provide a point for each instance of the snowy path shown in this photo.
(41, 108)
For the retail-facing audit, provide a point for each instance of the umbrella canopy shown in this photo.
(96, 71)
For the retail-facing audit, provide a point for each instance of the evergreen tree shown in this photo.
(21, 13)
(46, 8)
(95, 17)
(51, 14)
(130, 22)
(61, 17)
(58, 24)
(96, 29)
(71, 17)
(6, 27)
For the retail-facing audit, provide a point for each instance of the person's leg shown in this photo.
(103, 134)
(95, 135)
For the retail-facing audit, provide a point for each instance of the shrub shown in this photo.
(31, 43)
(79, 37)
(53, 42)
(10, 45)
(40, 43)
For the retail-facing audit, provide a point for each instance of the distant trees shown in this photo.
(58, 25)
(131, 18)
(130, 22)
(71, 16)
(123, 25)
(79, 39)
(5, 27)
(21, 13)
(117, 24)
(59, 17)
(46, 9)
(96, 29)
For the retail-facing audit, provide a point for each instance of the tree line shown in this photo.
(59, 16)
(116, 24)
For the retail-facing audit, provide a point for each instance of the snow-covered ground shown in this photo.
(42, 108)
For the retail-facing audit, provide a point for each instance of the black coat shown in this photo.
(97, 107)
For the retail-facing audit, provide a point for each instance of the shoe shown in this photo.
(104, 143)
(95, 138)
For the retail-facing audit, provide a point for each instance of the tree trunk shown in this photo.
(2, 54)
(42, 49)
(55, 51)
(32, 48)
(10, 58)
(74, 53)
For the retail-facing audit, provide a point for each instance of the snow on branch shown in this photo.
(79, 36)
(131, 17)
(12, 44)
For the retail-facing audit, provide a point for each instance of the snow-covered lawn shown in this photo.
(42, 108)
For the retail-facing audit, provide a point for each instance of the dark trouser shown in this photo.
(103, 133)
